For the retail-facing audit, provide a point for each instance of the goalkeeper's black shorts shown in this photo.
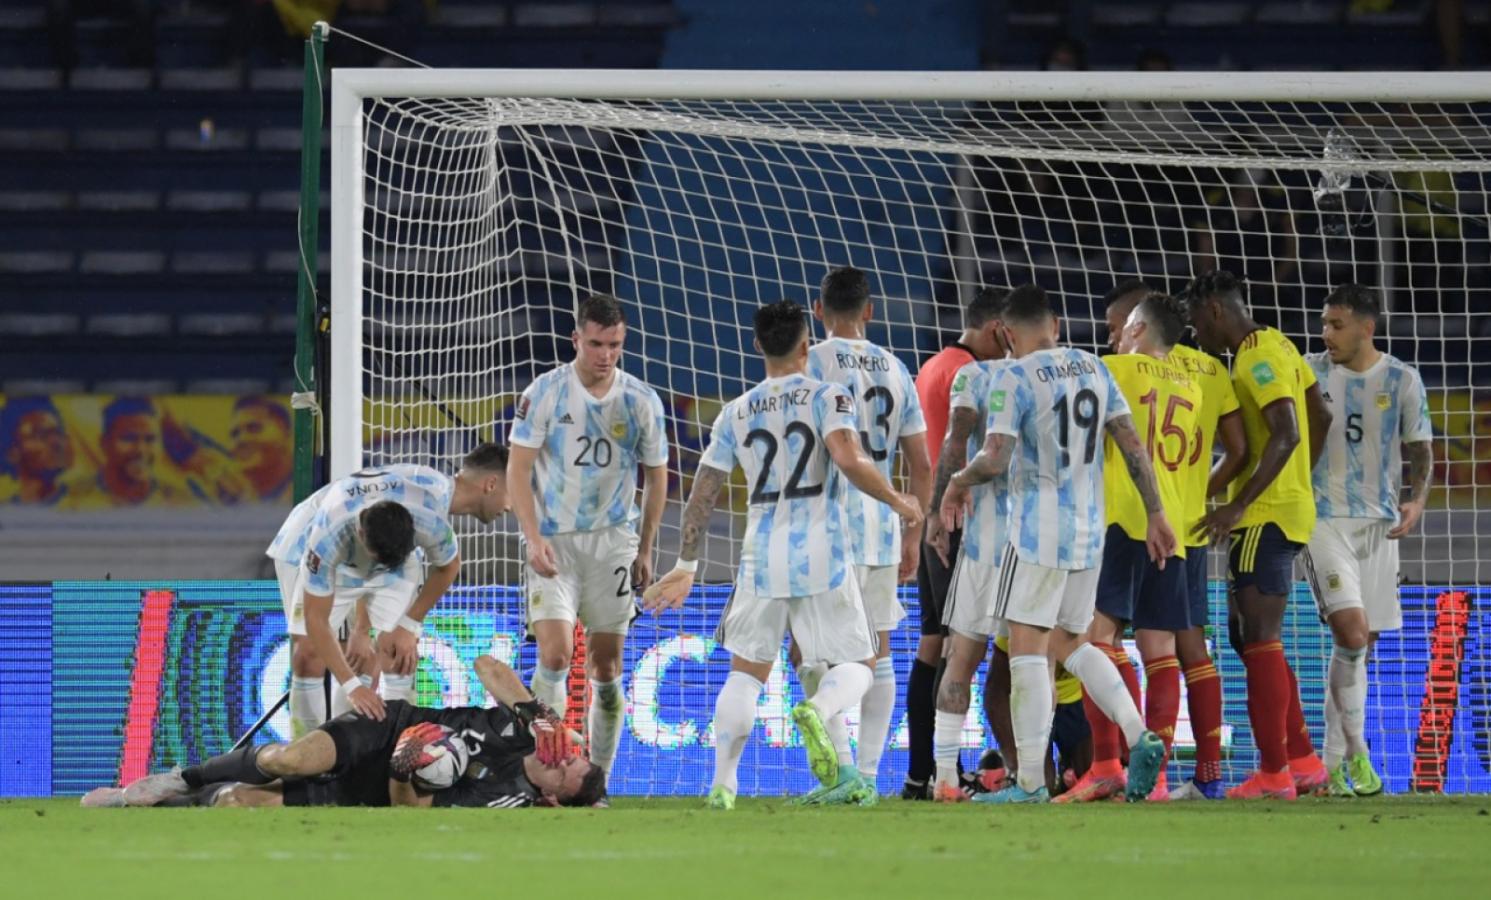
(360, 776)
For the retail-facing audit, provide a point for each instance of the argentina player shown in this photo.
(580, 432)
(353, 543)
(797, 440)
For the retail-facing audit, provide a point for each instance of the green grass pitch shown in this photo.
(1409, 847)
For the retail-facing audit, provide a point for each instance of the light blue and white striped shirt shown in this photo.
(986, 527)
(796, 541)
(585, 477)
(888, 409)
(321, 530)
(1056, 403)
(1360, 473)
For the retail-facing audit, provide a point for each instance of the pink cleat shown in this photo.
(104, 798)
(1091, 788)
(1264, 786)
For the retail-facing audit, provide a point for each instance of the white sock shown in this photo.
(947, 740)
(1335, 737)
(1347, 675)
(398, 687)
(810, 676)
(607, 714)
(874, 717)
(734, 719)
(841, 688)
(1030, 713)
(1100, 679)
(307, 705)
(552, 687)
(339, 704)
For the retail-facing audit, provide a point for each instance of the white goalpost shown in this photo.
(472, 209)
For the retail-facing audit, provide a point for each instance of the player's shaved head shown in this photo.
(780, 328)
(1165, 315)
(845, 291)
(1027, 305)
(388, 532)
(488, 457)
(1118, 303)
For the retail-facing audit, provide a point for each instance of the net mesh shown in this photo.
(487, 219)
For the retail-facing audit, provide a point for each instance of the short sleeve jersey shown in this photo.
(1266, 369)
(796, 540)
(1056, 404)
(1218, 399)
(986, 527)
(1374, 413)
(321, 531)
(585, 477)
(933, 381)
(888, 409)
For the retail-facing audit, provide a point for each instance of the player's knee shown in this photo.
(271, 759)
(304, 663)
(228, 797)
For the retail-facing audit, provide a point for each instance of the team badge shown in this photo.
(996, 401)
(618, 431)
(1333, 581)
(1384, 400)
(535, 598)
(312, 562)
(1263, 373)
(522, 408)
(960, 382)
(843, 405)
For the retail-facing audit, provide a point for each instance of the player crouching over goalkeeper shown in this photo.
(512, 755)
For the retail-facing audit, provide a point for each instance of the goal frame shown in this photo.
(351, 87)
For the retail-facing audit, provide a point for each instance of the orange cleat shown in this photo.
(942, 792)
(1264, 786)
(1091, 788)
(1161, 792)
(1311, 777)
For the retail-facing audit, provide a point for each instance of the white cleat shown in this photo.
(104, 797)
(152, 789)
(1187, 791)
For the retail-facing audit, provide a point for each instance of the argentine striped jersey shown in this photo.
(888, 409)
(986, 527)
(321, 531)
(796, 541)
(585, 477)
(1056, 403)
(1360, 473)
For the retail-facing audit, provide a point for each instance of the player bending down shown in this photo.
(797, 440)
(518, 754)
(1380, 415)
(1054, 403)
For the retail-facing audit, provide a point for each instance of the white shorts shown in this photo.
(1034, 595)
(1350, 563)
(877, 586)
(829, 627)
(594, 584)
(387, 600)
(971, 597)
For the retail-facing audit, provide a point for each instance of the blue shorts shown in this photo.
(1069, 729)
(1262, 557)
(1196, 585)
(1133, 589)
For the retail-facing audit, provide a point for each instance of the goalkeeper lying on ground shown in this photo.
(512, 755)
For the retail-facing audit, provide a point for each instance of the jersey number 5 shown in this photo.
(1167, 430)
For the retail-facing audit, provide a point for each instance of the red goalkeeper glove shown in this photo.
(552, 744)
(412, 752)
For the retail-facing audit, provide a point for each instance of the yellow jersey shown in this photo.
(1218, 398)
(1164, 402)
(1268, 368)
(1068, 686)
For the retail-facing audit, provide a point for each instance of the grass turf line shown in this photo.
(1388, 847)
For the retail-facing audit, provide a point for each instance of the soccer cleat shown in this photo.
(1311, 781)
(837, 793)
(1091, 788)
(1146, 762)
(152, 789)
(104, 797)
(823, 760)
(1199, 790)
(942, 792)
(868, 796)
(1339, 785)
(1365, 781)
(1015, 794)
(1263, 786)
(911, 790)
(1161, 792)
(721, 797)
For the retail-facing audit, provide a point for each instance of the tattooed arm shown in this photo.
(672, 589)
(1420, 475)
(991, 462)
(961, 423)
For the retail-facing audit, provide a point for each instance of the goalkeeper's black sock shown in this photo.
(236, 765)
(921, 699)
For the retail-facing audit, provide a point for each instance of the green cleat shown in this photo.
(870, 796)
(849, 789)
(1364, 779)
(1338, 786)
(721, 797)
(822, 758)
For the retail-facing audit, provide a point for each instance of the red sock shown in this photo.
(1300, 747)
(1268, 702)
(1162, 700)
(1126, 669)
(1106, 740)
(1204, 701)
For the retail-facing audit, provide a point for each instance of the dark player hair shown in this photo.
(592, 789)
(780, 327)
(388, 530)
(1125, 289)
(126, 406)
(1166, 314)
(16, 409)
(1360, 299)
(602, 309)
(1221, 285)
(258, 401)
(844, 290)
(987, 305)
(1027, 305)
(487, 457)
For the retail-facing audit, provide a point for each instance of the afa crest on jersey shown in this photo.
(618, 430)
(1384, 400)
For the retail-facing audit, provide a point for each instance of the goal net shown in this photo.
(472, 210)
